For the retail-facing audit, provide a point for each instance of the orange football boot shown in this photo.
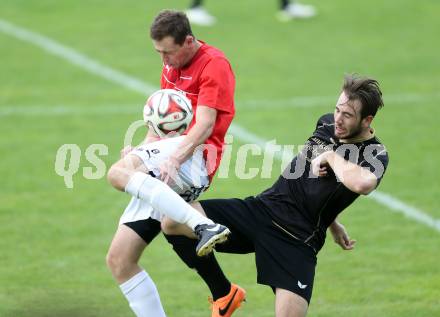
(225, 306)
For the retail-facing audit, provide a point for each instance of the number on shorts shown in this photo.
(193, 193)
(151, 152)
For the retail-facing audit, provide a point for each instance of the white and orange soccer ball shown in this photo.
(168, 110)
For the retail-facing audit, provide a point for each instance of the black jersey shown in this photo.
(303, 204)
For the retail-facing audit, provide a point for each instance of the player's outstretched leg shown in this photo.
(209, 236)
(131, 175)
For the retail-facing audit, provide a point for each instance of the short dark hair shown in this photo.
(366, 90)
(170, 23)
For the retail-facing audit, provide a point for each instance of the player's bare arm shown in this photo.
(358, 179)
(198, 134)
(340, 236)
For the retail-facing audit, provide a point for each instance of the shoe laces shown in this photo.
(199, 229)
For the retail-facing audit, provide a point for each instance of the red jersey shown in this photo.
(207, 80)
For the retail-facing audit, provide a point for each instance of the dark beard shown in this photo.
(355, 133)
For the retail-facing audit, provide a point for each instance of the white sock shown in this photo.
(165, 200)
(142, 296)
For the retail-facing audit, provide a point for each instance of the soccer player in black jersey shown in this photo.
(286, 224)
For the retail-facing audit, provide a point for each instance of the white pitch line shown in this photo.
(137, 85)
(297, 102)
(76, 58)
(382, 198)
(60, 110)
(300, 102)
(411, 212)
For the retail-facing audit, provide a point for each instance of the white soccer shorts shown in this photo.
(192, 174)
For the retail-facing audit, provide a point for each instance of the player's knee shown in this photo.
(111, 260)
(116, 177)
(289, 304)
(116, 264)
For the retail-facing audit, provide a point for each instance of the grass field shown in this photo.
(53, 240)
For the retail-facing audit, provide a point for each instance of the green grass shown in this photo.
(54, 240)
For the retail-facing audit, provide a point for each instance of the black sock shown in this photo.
(284, 4)
(207, 266)
(196, 3)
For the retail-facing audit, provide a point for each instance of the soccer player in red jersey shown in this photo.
(163, 175)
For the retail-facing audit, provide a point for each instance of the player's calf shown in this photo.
(173, 228)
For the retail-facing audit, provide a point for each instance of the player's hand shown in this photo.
(169, 171)
(341, 236)
(320, 164)
(126, 150)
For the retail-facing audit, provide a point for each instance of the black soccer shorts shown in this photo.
(147, 229)
(282, 262)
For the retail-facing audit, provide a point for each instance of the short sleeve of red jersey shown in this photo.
(217, 84)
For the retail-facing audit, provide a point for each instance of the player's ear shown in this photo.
(189, 40)
(366, 122)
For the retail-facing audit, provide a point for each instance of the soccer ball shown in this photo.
(168, 110)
